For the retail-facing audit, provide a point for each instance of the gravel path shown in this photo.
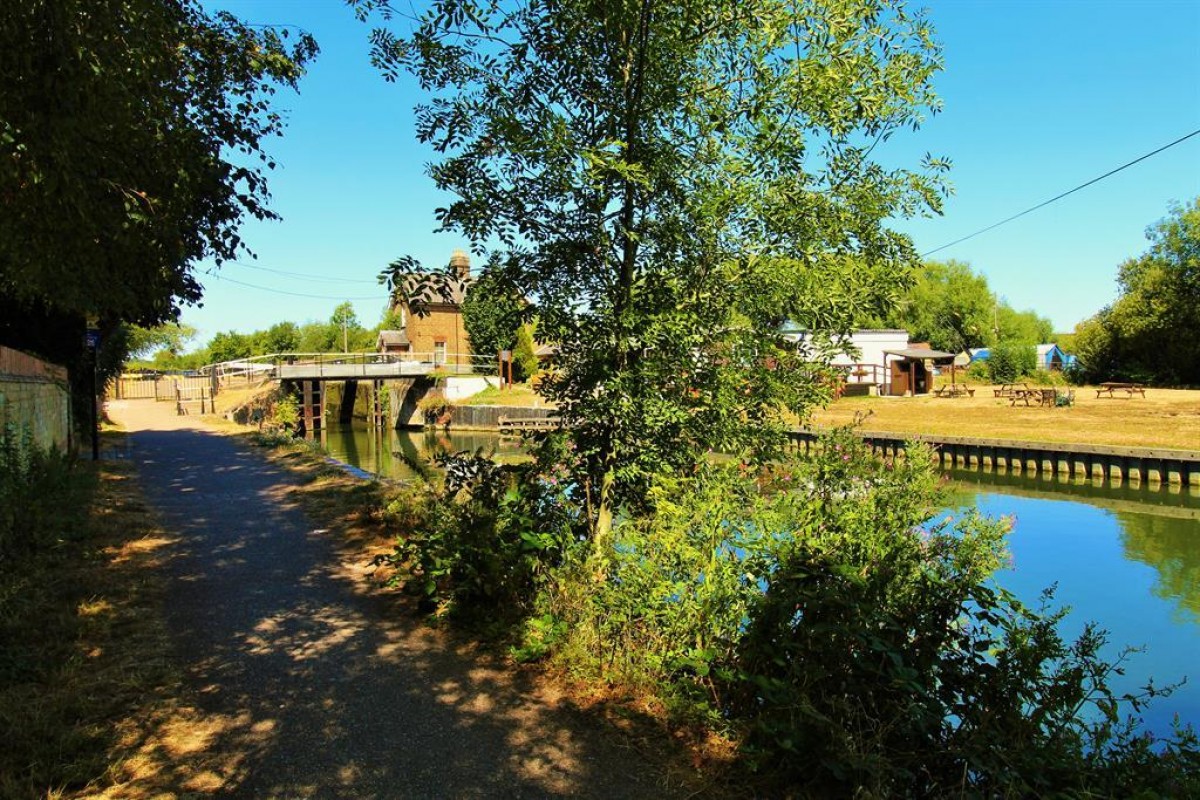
(307, 686)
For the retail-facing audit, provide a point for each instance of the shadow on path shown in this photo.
(307, 687)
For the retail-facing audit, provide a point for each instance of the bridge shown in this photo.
(347, 366)
(309, 372)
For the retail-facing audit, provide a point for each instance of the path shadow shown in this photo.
(307, 686)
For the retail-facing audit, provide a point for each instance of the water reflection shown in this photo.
(1127, 559)
(1173, 549)
(391, 454)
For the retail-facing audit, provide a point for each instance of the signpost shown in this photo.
(505, 359)
(92, 340)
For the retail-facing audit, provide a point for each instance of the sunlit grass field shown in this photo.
(1164, 418)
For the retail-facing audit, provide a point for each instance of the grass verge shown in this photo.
(84, 643)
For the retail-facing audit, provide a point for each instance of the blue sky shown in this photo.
(1039, 98)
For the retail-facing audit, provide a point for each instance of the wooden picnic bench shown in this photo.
(1110, 388)
(955, 390)
(1010, 389)
(1047, 398)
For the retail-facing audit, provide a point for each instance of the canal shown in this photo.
(1128, 559)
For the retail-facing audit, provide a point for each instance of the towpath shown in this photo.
(306, 686)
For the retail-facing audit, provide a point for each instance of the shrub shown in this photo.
(853, 646)
(41, 496)
(525, 363)
(482, 540)
(286, 411)
(1010, 361)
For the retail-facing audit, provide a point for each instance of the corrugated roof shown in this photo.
(921, 353)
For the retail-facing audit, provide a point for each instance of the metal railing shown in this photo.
(349, 365)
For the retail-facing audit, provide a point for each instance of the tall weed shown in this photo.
(41, 497)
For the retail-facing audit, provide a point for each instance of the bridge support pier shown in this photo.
(312, 408)
(375, 404)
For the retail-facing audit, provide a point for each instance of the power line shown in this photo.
(292, 294)
(1064, 194)
(302, 275)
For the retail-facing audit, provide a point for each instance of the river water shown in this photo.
(1128, 559)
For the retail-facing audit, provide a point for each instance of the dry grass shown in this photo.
(84, 644)
(522, 394)
(1164, 418)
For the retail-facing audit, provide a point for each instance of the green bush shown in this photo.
(41, 496)
(286, 411)
(853, 646)
(1011, 361)
(525, 363)
(812, 610)
(481, 541)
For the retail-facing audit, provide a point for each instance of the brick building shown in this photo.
(438, 334)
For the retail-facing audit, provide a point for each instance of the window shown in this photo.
(439, 352)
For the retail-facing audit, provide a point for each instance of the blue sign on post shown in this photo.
(93, 339)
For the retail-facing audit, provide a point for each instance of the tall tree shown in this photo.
(131, 145)
(672, 180)
(1152, 332)
(492, 311)
(949, 306)
(132, 140)
(1025, 327)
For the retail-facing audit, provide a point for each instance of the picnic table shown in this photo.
(1011, 389)
(1110, 388)
(955, 390)
(1037, 396)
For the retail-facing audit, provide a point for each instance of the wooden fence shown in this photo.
(156, 387)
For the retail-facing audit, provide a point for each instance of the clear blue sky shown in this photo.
(1039, 98)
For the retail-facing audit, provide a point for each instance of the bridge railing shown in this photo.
(366, 364)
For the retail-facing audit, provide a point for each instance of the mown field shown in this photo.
(1164, 418)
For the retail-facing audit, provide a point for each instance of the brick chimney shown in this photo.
(461, 264)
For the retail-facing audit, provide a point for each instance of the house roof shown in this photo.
(391, 338)
(546, 350)
(921, 353)
(421, 288)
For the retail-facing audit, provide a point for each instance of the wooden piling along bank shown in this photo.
(1114, 465)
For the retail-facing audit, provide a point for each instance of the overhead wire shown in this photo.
(219, 277)
(303, 275)
(1064, 194)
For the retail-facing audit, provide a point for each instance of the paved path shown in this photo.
(308, 687)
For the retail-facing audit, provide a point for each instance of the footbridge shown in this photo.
(309, 372)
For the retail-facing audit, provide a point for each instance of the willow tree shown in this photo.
(672, 180)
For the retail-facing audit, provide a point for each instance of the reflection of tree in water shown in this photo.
(1172, 547)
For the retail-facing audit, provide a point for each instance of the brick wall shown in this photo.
(34, 397)
(442, 323)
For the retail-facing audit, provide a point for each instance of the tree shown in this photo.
(229, 346)
(671, 181)
(949, 306)
(492, 311)
(131, 145)
(320, 337)
(1026, 327)
(1150, 333)
(1154, 326)
(169, 338)
(282, 337)
(525, 361)
(346, 325)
